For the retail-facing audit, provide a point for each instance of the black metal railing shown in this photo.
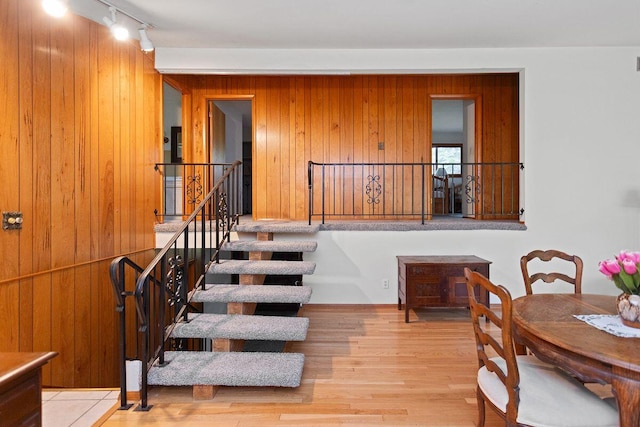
(415, 191)
(184, 186)
(161, 291)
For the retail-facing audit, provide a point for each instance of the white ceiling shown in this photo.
(380, 24)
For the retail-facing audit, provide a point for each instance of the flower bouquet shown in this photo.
(624, 271)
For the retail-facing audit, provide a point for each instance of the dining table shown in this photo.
(547, 326)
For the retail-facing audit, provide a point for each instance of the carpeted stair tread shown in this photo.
(254, 293)
(242, 327)
(277, 227)
(186, 368)
(270, 246)
(233, 266)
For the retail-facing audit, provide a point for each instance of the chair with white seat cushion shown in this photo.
(523, 390)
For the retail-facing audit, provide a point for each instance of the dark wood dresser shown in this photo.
(21, 388)
(437, 281)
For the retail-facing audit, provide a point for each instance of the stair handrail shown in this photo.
(118, 276)
(172, 272)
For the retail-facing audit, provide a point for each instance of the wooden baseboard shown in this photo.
(133, 396)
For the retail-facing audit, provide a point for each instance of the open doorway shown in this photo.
(452, 147)
(231, 138)
(172, 151)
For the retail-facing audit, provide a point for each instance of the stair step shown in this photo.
(277, 227)
(242, 327)
(258, 369)
(254, 293)
(270, 246)
(233, 266)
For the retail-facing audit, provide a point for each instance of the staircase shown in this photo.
(223, 361)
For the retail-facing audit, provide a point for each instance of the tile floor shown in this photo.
(76, 408)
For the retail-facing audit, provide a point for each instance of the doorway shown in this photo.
(453, 147)
(172, 152)
(230, 136)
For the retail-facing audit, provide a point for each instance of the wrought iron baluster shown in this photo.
(373, 189)
(194, 188)
(175, 282)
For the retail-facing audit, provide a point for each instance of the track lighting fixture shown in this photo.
(121, 33)
(55, 8)
(118, 31)
(145, 43)
(58, 8)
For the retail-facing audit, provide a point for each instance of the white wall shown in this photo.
(233, 128)
(580, 143)
(172, 116)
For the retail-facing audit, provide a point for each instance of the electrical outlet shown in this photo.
(385, 283)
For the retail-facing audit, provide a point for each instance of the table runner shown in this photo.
(609, 323)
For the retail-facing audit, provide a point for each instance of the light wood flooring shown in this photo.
(364, 366)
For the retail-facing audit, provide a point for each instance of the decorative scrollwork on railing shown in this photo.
(223, 211)
(373, 189)
(472, 187)
(175, 281)
(194, 189)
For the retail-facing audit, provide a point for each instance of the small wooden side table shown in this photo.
(437, 281)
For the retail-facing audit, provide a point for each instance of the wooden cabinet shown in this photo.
(437, 281)
(21, 388)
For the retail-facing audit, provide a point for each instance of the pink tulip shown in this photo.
(633, 256)
(629, 266)
(604, 270)
(609, 267)
(623, 255)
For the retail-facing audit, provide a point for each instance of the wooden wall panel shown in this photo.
(259, 153)
(9, 128)
(9, 134)
(342, 119)
(24, 63)
(42, 143)
(80, 119)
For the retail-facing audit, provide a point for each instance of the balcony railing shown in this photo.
(185, 185)
(414, 191)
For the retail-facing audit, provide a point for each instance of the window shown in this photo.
(447, 156)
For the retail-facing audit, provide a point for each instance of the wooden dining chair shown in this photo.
(523, 390)
(440, 193)
(573, 262)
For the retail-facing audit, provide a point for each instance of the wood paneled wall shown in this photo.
(342, 119)
(79, 132)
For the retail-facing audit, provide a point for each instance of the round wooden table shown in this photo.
(545, 324)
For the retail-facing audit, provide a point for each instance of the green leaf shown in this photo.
(620, 283)
(636, 280)
(628, 282)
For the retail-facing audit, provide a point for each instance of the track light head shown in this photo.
(118, 31)
(55, 8)
(145, 44)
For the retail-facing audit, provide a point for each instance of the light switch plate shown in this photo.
(11, 220)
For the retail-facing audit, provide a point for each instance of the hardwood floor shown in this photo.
(364, 366)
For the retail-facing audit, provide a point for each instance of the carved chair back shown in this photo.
(574, 278)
